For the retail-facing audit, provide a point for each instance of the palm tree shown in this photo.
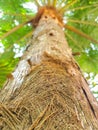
(47, 90)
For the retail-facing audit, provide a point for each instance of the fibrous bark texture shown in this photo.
(47, 91)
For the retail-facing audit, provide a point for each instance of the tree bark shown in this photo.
(47, 91)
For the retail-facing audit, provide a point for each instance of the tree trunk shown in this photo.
(47, 91)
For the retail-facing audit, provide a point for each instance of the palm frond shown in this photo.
(62, 2)
(93, 10)
(73, 40)
(14, 29)
(25, 36)
(37, 3)
(16, 14)
(49, 2)
(54, 3)
(63, 9)
(80, 33)
(83, 22)
(84, 7)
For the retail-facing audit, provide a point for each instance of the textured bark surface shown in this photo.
(47, 90)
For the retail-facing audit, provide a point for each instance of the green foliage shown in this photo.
(88, 56)
(13, 14)
(81, 14)
(88, 59)
(7, 63)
